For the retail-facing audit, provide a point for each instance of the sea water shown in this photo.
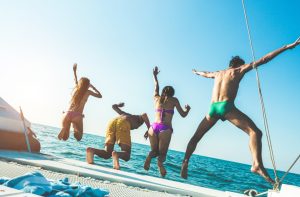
(203, 171)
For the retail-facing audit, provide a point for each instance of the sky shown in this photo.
(116, 44)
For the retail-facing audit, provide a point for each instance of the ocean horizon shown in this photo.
(203, 171)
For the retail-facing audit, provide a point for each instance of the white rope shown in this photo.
(261, 96)
(25, 131)
(289, 169)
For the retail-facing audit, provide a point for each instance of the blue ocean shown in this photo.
(203, 171)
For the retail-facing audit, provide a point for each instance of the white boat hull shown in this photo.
(12, 130)
(286, 191)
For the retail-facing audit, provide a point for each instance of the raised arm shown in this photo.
(182, 112)
(156, 85)
(116, 107)
(247, 67)
(95, 92)
(204, 74)
(75, 73)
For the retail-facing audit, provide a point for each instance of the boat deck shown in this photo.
(13, 169)
(119, 183)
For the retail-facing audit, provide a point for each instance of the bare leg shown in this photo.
(65, 131)
(116, 163)
(203, 127)
(164, 142)
(78, 128)
(243, 122)
(105, 154)
(90, 155)
(124, 154)
(154, 148)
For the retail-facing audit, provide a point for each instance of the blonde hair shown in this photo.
(79, 91)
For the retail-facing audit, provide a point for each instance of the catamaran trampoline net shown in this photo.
(13, 169)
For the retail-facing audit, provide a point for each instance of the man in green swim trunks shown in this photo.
(226, 85)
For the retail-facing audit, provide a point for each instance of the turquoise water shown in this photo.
(203, 171)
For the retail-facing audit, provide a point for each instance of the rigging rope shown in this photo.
(267, 131)
(289, 169)
(25, 130)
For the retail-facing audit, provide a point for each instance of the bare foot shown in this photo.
(89, 155)
(78, 135)
(161, 168)
(59, 136)
(63, 135)
(147, 163)
(116, 164)
(184, 168)
(262, 172)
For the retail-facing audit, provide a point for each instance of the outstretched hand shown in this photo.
(187, 107)
(195, 71)
(155, 71)
(146, 135)
(75, 67)
(298, 41)
(121, 104)
(293, 45)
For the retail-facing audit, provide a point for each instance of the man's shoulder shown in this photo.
(229, 74)
(234, 70)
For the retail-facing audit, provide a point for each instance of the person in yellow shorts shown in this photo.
(118, 131)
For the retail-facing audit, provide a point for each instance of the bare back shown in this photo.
(227, 81)
(79, 108)
(169, 104)
(226, 84)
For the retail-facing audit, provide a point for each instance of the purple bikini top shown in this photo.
(163, 111)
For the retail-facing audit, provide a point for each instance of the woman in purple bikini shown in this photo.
(161, 130)
(74, 114)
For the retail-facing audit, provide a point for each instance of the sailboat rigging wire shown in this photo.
(260, 95)
(289, 169)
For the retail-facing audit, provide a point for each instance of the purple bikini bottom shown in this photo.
(160, 127)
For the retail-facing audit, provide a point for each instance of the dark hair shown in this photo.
(236, 61)
(168, 91)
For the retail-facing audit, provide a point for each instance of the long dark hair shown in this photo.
(168, 91)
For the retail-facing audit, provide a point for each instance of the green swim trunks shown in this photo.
(220, 109)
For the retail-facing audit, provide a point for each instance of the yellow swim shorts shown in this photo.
(118, 130)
